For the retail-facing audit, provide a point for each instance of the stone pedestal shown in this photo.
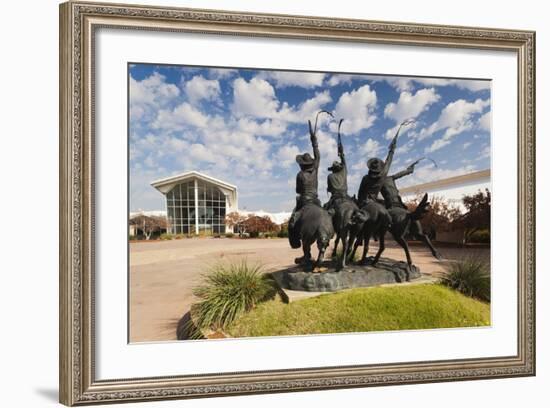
(353, 276)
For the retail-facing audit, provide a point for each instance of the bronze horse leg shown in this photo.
(417, 230)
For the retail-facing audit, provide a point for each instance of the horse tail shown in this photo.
(421, 209)
(294, 240)
(383, 226)
(325, 232)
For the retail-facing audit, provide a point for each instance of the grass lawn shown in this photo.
(404, 307)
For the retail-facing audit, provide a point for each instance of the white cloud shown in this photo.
(177, 145)
(286, 155)
(407, 83)
(470, 84)
(457, 115)
(222, 73)
(402, 84)
(284, 79)
(183, 116)
(428, 172)
(357, 107)
(149, 95)
(257, 98)
(485, 121)
(455, 118)
(337, 79)
(307, 109)
(327, 147)
(485, 153)
(370, 148)
(199, 152)
(399, 83)
(406, 148)
(152, 90)
(409, 106)
(266, 128)
(199, 88)
(438, 144)
(473, 85)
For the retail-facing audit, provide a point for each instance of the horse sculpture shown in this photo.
(406, 222)
(399, 222)
(313, 226)
(348, 223)
(377, 222)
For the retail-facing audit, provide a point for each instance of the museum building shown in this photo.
(197, 203)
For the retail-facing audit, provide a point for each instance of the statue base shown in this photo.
(352, 276)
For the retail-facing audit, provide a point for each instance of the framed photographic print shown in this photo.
(256, 203)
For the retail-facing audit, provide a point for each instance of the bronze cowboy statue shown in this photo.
(372, 182)
(405, 223)
(402, 222)
(347, 218)
(337, 181)
(379, 218)
(309, 222)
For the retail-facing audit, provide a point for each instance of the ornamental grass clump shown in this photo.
(469, 276)
(228, 291)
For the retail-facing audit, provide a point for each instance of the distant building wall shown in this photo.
(452, 189)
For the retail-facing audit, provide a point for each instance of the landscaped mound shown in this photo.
(427, 306)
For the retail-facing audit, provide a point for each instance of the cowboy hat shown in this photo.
(375, 165)
(336, 166)
(304, 159)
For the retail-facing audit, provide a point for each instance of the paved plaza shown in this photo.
(164, 273)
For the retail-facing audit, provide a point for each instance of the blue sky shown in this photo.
(246, 126)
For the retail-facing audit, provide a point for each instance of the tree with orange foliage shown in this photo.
(236, 221)
(255, 225)
(441, 217)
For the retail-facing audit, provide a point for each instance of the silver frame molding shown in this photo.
(78, 22)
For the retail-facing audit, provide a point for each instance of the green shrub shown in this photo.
(481, 237)
(228, 291)
(166, 237)
(179, 236)
(470, 276)
(229, 235)
(132, 238)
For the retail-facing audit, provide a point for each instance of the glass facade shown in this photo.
(184, 209)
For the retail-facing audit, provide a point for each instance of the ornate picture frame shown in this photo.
(78, 25)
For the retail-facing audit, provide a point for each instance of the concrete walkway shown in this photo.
(163, 274)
